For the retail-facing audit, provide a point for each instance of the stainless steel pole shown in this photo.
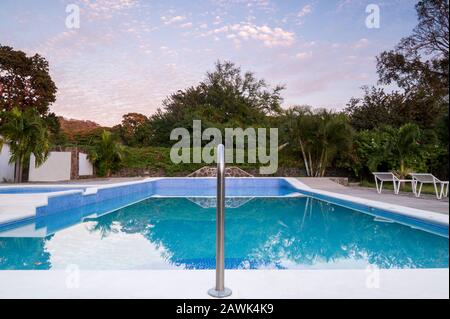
(220, 291)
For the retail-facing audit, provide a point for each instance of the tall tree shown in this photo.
(419, 66)
(421, 61)
(377, 107)
(26, 133)
(227, 97)
(25, 81)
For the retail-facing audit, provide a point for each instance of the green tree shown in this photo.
(378, 107)
(134, 129)
(420, 61)
(106, 154)
(404, 149)
(404, 146)
(370, 149)
(227, 97)
(26, 133)
(319, 135)
(25, 81)
(439, 162)
(419, 67)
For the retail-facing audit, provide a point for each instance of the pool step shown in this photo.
(12, 213)
(17, 207)
(26, 231)
(14, 207)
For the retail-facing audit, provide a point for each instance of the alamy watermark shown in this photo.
(73, 17)
(373, 277)
(373, 18)
(73, 276)
(261, 146)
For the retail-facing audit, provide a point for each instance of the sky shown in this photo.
(129, 55)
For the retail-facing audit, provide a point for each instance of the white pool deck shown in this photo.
(246, 284)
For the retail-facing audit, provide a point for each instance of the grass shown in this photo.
(426, 189)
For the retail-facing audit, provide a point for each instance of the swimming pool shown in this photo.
(270, 224)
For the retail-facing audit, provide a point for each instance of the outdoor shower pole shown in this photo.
(220, 291)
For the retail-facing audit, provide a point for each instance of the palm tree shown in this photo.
(336, 135)
(26, 134)
(299, 127)
(404, 144)
(106, 154)
(319, 135)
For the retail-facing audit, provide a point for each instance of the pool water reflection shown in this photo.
(273, 233)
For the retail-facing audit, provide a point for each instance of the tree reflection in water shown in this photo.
(270, 232)
(263, 232)
(24, 254)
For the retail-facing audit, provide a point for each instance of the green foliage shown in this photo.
(26, 133)
(106, 154)
(134, 130)
(319, 136)
(158, 159)
(443, 129)
(405, 149)
(403, 144)
(370, 149)
(226, 98)
(408, 130)
(53, 126)
(155, 158)
(79, 138)
(419, 66)
(420, 61)
(377, 108)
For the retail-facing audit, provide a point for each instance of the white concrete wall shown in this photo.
(85, 167)
(6, 169)
(56, 168)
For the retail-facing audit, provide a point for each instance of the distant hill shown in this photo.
(73, 126)
(78, 132)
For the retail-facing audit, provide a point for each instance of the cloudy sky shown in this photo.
(128, 55)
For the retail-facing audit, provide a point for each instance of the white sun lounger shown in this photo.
(381, 177)
(429, 179)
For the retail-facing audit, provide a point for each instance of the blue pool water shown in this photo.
(272, 233)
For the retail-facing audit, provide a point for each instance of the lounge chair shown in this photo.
(381, 177)
(429, 179)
